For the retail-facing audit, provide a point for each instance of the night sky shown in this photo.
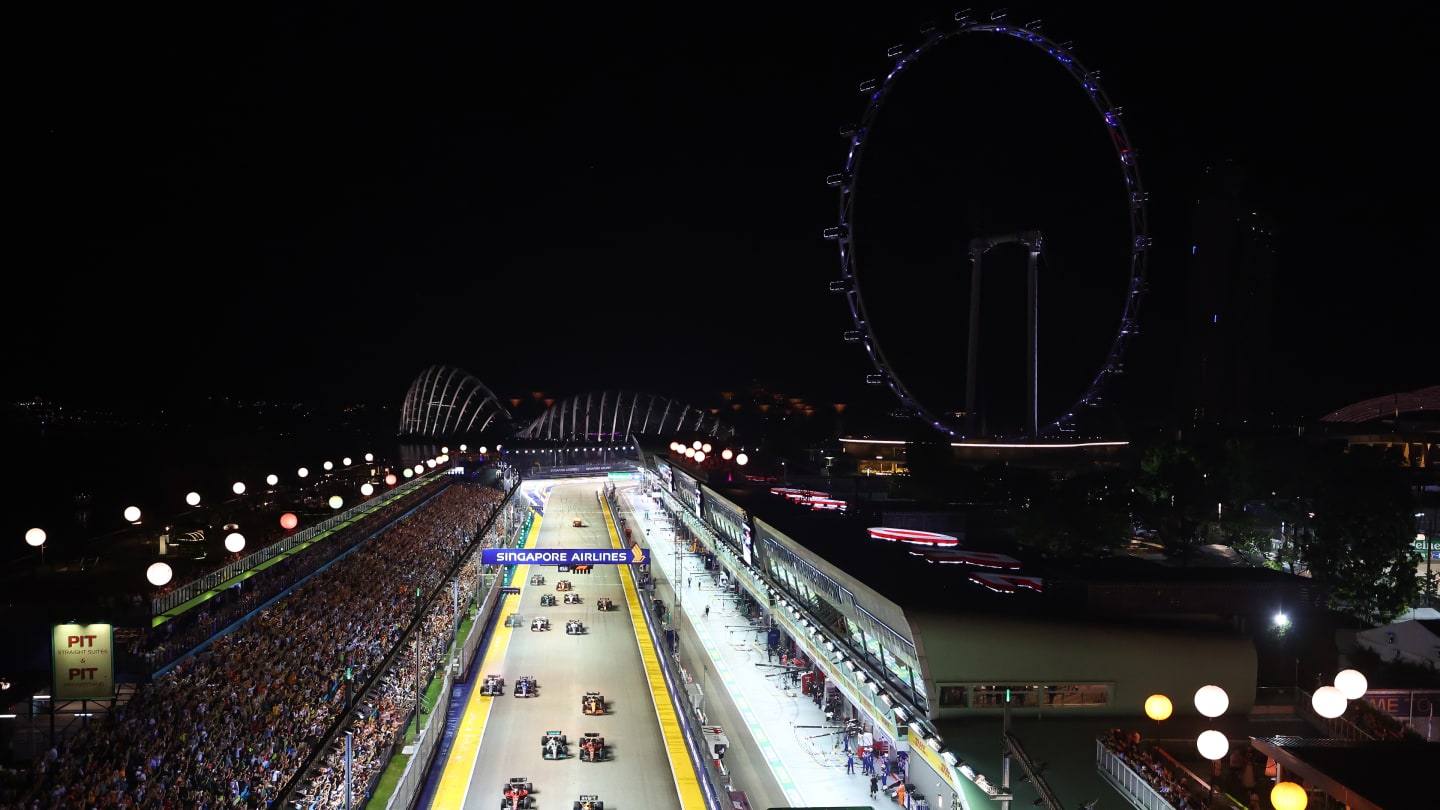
(320, 201)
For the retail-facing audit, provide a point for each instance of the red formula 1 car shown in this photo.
(593, 748)
(517, 795)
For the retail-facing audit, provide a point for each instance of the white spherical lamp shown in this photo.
(35, 537)
(742, 459)
(303, 472)
(483, 450)
(193, 498)
(238, 488)
(132, 514)
(329, 465)
(1212, 744)
(367, 489)
(699, 456)
(369, 457)
(158, 574)
(345, 462)
(419, 468)
(234, 542)
(1328, 702)
(1211, 701)
(1351, 683)
(727, 454)
(271, 480)
(336, 501)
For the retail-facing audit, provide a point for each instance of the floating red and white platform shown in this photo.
(795, 494)
(979, 559)
(815, 499)
(1008, 583)
(914, 537)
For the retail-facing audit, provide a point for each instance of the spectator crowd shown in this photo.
(234, 723)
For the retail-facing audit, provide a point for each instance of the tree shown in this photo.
(1361, 548)
(1073, 515)
(1171, 496)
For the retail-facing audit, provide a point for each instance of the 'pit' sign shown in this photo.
(83, 658)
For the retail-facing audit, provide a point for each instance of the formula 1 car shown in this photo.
(517, 795)
(537, 579)
(578, 523)
(526, 686)
(547, 600)
(562, 585)
(492, 685)
(593, 703)
(589, 803)
(573, 627)
(553, 746)
(539, 623)
(571, 598)
(604, 603)
(593, 748)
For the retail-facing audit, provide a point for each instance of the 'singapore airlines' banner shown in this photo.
(83, 659)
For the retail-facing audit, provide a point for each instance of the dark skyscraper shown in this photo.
(1226, 375)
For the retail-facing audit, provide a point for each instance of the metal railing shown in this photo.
(1127, 781)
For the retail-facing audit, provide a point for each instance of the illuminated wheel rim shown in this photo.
(844, 231)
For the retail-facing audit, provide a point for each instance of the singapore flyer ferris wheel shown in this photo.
(1038, 418)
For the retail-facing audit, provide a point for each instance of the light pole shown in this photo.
(1213, 746)
(1158, 708)
(1211, 701)
(35, 538)
(419, 631)
(1426, 541)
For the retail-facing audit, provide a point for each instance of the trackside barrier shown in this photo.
(694, 739)
(464, 653)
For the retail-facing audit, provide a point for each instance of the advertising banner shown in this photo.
(83, 661)
(919, 748)
(563, 556)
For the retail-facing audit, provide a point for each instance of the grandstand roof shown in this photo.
(1388, 406)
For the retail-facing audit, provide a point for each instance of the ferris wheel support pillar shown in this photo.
(979, 246)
